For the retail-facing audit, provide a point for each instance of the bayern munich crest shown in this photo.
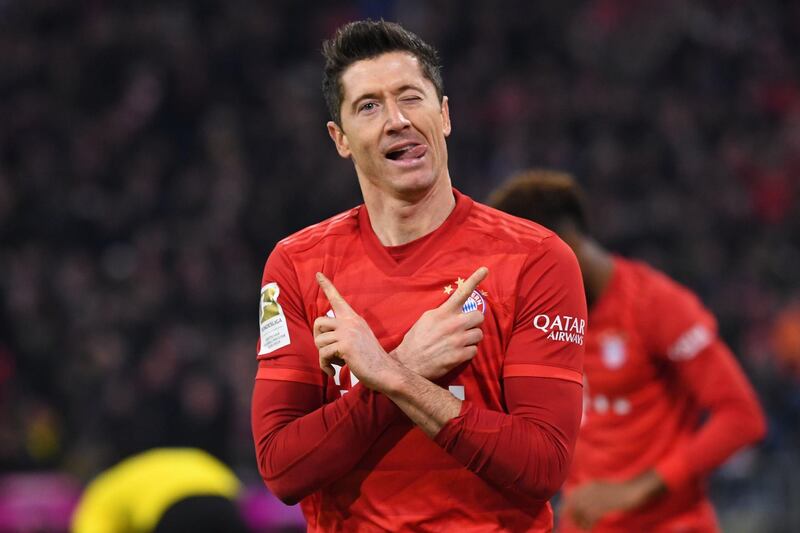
(613, 351)
(475, 302)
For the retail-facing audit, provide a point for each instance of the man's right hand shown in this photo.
(444, 337)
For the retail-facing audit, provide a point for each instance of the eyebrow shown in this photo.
(373, 95)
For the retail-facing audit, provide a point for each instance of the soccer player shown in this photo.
(400, 388)
(664, 400)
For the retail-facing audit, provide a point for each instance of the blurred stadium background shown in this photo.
(153, 152)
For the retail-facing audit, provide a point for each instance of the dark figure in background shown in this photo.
(164, 490)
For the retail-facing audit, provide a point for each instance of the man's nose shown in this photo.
(395, 119)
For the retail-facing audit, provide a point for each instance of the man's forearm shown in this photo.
(734, 417)
(520, 454)
(302, 447)
(428, 405)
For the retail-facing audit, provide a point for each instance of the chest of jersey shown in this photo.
(618, 369)
(391, 305)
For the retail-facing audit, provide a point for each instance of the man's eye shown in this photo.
(369, 106)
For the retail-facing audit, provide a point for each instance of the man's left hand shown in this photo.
(590, 502)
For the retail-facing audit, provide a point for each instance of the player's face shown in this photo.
(393, 125)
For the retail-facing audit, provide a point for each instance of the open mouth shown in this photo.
(408, 152)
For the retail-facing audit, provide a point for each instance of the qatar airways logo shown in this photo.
(561, 328)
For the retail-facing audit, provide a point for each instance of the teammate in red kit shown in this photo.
(399, 387)
(664, 400)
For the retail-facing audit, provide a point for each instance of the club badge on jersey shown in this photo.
(475, 302)
(613, 351)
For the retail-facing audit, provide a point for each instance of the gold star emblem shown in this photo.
(448, 289)
(460, 282)
(485, 293)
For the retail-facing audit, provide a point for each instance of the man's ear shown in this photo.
(446, 126)
(339, 139)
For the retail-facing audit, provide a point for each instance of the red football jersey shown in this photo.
(654, 366)
(535, 320)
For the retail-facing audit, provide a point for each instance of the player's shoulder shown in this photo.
(337, 226)
(672, 319)
(656, 288)
(647, 275)
(509, 229)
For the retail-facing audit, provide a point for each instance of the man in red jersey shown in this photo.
(398, 387)
(664, 400)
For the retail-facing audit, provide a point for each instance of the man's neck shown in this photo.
(398, 221)
(597, 266)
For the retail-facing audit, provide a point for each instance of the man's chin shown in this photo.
(420, 180)
(408, 185)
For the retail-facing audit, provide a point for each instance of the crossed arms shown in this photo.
(303, 445)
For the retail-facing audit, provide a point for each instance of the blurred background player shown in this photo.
(665, 401)
(163, 490)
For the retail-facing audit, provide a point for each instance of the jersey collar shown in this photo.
(417, 252)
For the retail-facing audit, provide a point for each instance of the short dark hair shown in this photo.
(366, 39)
(548, 197)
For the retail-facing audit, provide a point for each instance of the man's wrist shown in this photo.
(393, 377)
(399, 356)
(396, 354)
(648, 485)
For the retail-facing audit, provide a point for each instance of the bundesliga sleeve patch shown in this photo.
(272, 321)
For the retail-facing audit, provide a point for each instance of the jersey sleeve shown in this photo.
(678, 327)
(302, 445)
(550, 321)
(684, 335)
(301, 442)
(286, 349)
(526, 452)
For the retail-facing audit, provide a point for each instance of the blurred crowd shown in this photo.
(153, 152)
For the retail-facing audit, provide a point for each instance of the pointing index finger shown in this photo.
(460, 295)
(338, 303)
